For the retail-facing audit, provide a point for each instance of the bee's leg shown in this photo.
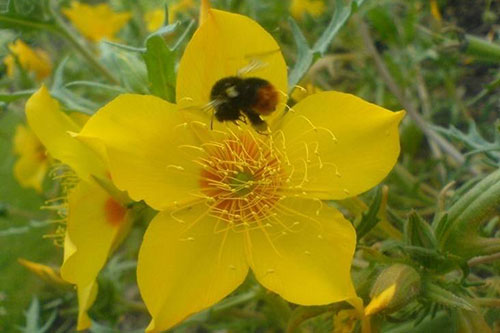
(243, 119)
(257, 122)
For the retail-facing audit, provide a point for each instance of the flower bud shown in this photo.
(395, 287)
(419, 233)
(458, 233)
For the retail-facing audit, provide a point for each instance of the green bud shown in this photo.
(419, 233)
(395, 287)
(458, 234)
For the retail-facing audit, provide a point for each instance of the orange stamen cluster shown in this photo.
(241, 176)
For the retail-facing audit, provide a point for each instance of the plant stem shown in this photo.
(66, 33)
(393, 87)
(29, 24)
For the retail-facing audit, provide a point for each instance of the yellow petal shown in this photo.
(187, 262)
(32, 164)
(86, 297)
(31, 60)
(304, 254)
(51, 126)
(44, 272)
(148, 149)
(379, 302)
(339, 145)
(96, 22)
(95, 223)
(224, 44)
(29, 171)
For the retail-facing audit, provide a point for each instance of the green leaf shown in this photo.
(304, 55)
(164, 31)
(126, 47)
(445, 297)
(461, 236)
(475, 141)
(370, 219)
(184, 35)
(418, 232)
(33, 319)
(342, 13)
(10, 97)
(160, 63)
(127, 66)
(307, 55)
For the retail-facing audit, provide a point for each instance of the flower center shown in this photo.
(242, 183)
(241, 177)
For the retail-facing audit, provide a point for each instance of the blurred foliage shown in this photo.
(443, 56)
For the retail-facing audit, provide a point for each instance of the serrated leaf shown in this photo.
(32, 316)
(474, 141)
(160, 63)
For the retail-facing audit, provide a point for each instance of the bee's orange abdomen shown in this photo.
(266, 101)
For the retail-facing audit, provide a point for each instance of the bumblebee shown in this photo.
(237, 99)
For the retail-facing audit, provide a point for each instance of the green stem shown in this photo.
(61, 29)
(64, 31)
(29, 24)
(88, 55)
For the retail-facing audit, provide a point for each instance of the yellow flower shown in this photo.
(32, 164)
(154, 19)
(315, 8)
(96, 22)
(96, 221)
(31, 60)
(231, 199)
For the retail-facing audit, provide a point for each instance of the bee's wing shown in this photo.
(256, 61)
(254, 65)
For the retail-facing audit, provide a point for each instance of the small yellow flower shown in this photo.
(36, 60)
(231, 199)
(31, 166)
(96, 22)
(299, 8)
(154, 19)
(96, 221)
